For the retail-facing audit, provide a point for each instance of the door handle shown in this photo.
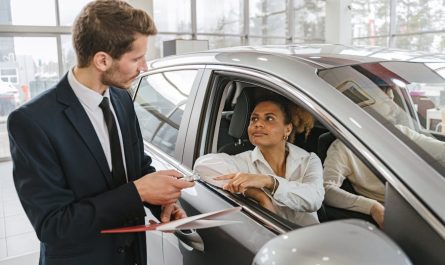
(191, 239)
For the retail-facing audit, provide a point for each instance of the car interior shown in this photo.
(230, 136)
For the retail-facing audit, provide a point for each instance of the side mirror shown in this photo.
(333, 243)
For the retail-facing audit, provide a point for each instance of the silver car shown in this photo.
(199, 103)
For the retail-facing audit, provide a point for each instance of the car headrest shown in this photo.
(324, 141)
(241, 115)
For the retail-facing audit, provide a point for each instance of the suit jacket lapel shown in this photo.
(82, 124)
(125, 132)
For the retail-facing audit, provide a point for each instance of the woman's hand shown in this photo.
(239, 182)
(261, 197)
(378, 213)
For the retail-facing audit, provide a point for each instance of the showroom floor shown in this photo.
(17, 237)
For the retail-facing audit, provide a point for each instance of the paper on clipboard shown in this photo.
(205, 220)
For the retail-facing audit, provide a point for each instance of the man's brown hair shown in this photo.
(109, 26)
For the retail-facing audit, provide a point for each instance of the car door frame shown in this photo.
(405, 196)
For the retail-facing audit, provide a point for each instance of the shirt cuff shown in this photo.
(280, 194)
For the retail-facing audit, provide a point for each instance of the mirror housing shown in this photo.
(334, 243)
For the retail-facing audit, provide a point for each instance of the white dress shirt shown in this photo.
(90, 100)
(300, 192)
(341, 163)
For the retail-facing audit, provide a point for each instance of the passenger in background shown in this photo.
(341, 164)
(280, 176)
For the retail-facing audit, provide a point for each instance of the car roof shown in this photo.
(317, 56)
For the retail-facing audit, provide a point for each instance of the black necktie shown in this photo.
(118, 171)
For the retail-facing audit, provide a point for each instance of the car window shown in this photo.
(160, 103)
(408, 98)
(230, 153)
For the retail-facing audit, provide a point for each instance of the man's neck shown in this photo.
(90, 78)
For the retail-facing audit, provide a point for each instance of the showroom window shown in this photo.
(160, 104)
(309, 20)
(35, 57)
(267, 18)
(404, 24)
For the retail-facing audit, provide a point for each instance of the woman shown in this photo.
(280, 176)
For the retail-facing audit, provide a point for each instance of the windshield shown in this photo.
(403, 95)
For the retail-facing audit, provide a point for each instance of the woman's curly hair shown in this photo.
(302, 121)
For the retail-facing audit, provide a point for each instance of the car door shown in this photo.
(164, 142)
(162, 104)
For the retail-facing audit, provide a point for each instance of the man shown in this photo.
(77, 149)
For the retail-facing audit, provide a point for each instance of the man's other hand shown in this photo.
(172, 212)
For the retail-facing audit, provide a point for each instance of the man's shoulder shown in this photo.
(42, 106)
(39, 103)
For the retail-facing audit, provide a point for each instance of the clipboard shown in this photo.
(200, 221)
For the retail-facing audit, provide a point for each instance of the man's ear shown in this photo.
(102, 61)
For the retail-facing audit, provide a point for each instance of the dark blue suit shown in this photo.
(64, 183)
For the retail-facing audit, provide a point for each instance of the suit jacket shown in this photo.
(64, 182)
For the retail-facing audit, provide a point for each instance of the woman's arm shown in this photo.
(306, 195)
(337, 167)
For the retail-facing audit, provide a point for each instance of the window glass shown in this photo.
(267, 18)
(383, 42)
(169, 19)
(221, 42)
(369, 17)
(69, 9)
(420, 15)
(406, 96)
(266, 41)
(68, 53)
(309, 19)
(434, 42)
(160, 104)
(232, 103)
(155, 45)
(28, 66)
(226, 16)
(25, 12)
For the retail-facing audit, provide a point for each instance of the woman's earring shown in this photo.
(285, 137)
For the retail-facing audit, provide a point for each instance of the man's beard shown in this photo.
(109, 78)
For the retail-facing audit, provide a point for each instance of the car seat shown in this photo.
(238, 125)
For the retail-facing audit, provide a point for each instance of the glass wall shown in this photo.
(267, 18)
(309, 20)
(226, 16)
(404, 24)
(31, 61)
(241, 22)
(34, 58)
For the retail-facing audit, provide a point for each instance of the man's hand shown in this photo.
(172, 212)
(241, 181)
(162, 187)
(378, 213)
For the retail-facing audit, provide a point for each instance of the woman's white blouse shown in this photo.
(300, 192)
